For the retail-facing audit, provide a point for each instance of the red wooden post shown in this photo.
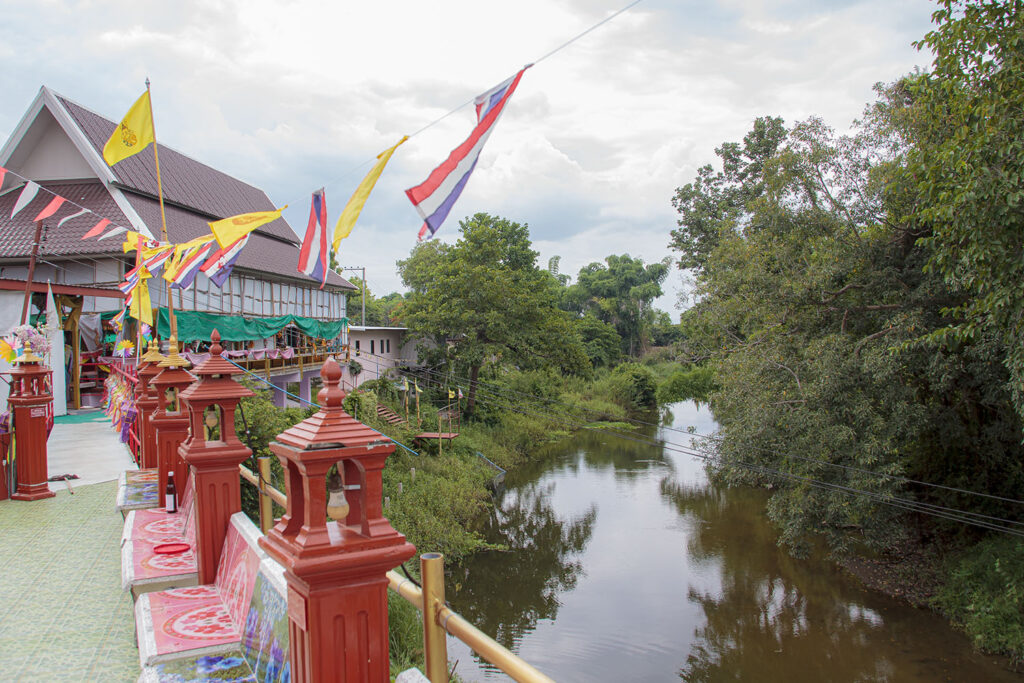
(146, 402)
(336, 571)
(29, 398)
(213, 452)
(170, 419)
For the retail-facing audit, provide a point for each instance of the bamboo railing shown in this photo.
(438, 618)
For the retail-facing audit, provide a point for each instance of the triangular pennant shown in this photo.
(28, 193)
(51, 208)
(74, 215)
(97, 229)
(116, 231)
(3, 172)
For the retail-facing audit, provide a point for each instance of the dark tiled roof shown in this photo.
(17, 233)
(185, 180)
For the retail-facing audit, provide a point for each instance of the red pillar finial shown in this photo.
(336, 570)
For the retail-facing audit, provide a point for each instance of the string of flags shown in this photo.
(215, 254)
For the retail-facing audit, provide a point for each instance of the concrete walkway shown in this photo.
(65, 616)
(86, 444)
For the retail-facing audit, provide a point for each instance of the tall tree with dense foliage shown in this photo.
(968, 166)
(810, 304)
(486, 295)
(620, 292)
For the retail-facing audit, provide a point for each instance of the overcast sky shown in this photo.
(292, 96)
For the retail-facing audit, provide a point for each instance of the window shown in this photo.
(389, 346)
(371, 347)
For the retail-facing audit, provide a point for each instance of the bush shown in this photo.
(633, 386)
(693, 383)
(984, 593)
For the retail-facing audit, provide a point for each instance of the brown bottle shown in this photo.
(171, 495)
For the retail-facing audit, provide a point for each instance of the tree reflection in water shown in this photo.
(772, 618)
(510, 591)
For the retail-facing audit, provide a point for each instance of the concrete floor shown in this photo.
(86, 444)
(65, 616)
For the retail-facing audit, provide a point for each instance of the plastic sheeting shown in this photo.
(198, 326)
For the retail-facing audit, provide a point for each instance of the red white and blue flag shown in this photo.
(218, 267)
(313, 255)
(190, 266)
(435, 196)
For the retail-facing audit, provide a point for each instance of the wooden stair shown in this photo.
(389, 415)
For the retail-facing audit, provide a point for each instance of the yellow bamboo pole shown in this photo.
(435, 645)
(173, 359)
(266, 505)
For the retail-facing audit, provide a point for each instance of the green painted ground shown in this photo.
(65, 617)
(72, 418)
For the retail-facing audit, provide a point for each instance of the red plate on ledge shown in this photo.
(171, 548)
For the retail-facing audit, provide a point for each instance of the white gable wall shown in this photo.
(47, 153)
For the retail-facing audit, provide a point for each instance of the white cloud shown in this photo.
(294, 95)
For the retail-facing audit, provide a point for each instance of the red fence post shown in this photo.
(29, 400)
(170, 420)
(146, 402)
(213, 452)
(336, 571)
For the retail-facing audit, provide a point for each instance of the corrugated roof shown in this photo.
(66, 240)
(194, 194)
(185, 180)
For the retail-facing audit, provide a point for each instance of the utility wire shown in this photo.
(951, 514)
(480, 385)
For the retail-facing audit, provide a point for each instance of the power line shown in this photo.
(942, 512)
(505, 390)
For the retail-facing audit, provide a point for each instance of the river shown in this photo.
(625, 564)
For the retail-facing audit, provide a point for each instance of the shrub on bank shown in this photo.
(984, 594)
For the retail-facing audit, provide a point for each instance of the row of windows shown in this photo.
(385, 346)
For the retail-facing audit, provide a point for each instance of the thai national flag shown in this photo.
(218, 267)
(436, 195)
(190, 265)
(313, 255)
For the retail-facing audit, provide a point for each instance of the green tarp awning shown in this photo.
(198, 326)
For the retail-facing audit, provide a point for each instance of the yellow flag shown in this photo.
(133, 134)
(230, 230)
(141, 307)
(347, 221)
(131, 241)
(182, 252)
(451, 393)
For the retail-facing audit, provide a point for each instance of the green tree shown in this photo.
(715, 203)
(487, 296)
(620, 292)
(810, 305)
(380, 311)
(968, 166)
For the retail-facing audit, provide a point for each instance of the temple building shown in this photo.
(271, 314)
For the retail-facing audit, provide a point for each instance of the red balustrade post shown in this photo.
(213, 452)
(170, 420)
(146, 403)
(336, 570)
(30, 400)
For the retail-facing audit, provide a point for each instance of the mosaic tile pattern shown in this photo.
(65, 616)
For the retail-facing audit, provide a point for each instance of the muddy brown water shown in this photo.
(625, 564)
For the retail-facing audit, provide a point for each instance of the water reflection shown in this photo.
(626, 565)
(542, 562)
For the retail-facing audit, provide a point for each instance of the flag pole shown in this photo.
(173, 357)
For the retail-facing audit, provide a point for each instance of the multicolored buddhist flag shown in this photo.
(350, 215)
(133, 134)
(218, 267)
(230, 230)
(313, 256)
(435, 196)
(188, 256)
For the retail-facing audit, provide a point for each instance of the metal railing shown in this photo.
(438, 617)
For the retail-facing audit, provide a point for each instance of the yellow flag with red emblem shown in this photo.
(133, 134)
